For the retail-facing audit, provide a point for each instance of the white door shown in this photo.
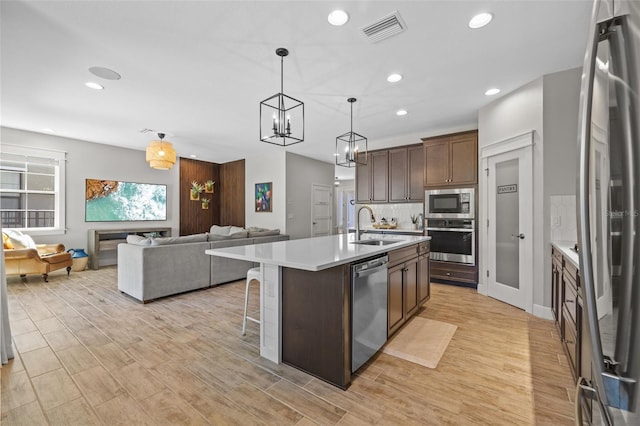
(321, 207)
(509, 201)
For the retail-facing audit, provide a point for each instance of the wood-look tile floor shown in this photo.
(87, 354)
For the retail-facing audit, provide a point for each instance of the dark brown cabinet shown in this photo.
(451, 160)
(566, 302)
(372, 178)
(406, 174)
(408, 284)
(451, 271)
(424, 279)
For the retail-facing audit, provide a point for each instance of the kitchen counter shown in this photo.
(315, 254)
(312, 277)
(566, 248)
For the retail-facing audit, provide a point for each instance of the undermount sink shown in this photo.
(374, 242)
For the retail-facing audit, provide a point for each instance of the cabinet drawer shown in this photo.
(452, 271)
(403, 254)
(424, 247)
(572, 271)
(570, 299)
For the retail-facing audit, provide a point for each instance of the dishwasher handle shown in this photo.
(376, 267)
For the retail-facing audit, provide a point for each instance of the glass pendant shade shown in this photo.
(160, 154)
(351, 147)
(281, 116)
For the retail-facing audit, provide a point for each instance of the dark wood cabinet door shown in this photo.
(415, 183)
(379, 175)
(436, 162)
(464, 159)
(395, 301)
(411, 287)
(363, 182)
(398, 170)
(424, 280)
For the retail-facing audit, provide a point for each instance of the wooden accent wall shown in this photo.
(193, 219)
(232, 189)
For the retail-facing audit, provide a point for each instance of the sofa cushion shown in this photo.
(262, 232)
(217, 237)
(138, 240)
(219, 230)
(196, 238)
(19, 240)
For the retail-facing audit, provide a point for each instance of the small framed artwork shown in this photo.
(263, 197)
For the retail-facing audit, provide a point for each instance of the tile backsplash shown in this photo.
(563, 218)
(401, 211)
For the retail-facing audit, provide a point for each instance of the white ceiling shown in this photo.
(197, 70)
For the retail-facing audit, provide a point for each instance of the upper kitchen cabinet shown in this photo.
(451, 160)
(372, 179)
(406, 174)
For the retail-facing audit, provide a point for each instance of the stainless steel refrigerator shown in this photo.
(609, 217)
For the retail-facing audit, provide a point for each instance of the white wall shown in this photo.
(513, 114)
(549, 107)
(301, 173)
(269, 168)
(97, 161)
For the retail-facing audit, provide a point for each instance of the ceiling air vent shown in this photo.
(385, 27)
(146, 131)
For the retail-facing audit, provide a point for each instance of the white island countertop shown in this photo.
(315, 254)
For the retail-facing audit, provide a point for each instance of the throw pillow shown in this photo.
(219, 230)
(138, 240)
(265, 233)
(20, 240)
(6, 242)
(239, 234)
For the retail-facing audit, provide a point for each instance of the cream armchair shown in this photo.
(41, 260)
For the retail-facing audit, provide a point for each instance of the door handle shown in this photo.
(521, 236)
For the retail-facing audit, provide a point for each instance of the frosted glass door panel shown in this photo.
(507, 224)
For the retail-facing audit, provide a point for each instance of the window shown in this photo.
(32, 189)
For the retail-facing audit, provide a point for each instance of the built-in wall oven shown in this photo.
(452, 240)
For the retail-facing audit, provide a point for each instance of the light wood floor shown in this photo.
(86, 354)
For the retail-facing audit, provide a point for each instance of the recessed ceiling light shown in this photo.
(48, 130)
(480, 20)
(92, 85)
(105, 73)
(338, 17)
(394, 78)
(401, 112)
(193, 156)
(492, 91)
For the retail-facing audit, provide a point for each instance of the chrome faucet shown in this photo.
(373, 219)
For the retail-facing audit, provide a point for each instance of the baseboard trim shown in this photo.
(482, 288)
(542, 312)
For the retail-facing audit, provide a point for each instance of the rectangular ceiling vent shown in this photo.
(384, 28)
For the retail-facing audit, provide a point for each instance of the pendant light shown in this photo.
(281, 116)
(160, 154)
(351, 147)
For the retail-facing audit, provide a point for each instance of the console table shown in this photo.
(107, 240)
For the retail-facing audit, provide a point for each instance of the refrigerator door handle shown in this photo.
(584, 220)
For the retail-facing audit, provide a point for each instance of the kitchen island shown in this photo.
(305, 297)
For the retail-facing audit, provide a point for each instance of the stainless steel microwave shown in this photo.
(456, 203)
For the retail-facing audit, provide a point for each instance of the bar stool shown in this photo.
(252, 274)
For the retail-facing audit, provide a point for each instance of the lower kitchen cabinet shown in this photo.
(408, 284)
(566, 303)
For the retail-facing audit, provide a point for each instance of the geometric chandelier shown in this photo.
(160, 154)
(351, 147)
(281, 116)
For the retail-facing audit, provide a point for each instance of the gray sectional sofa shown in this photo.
(150, 268)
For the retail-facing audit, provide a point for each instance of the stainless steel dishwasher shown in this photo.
(368, 309)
